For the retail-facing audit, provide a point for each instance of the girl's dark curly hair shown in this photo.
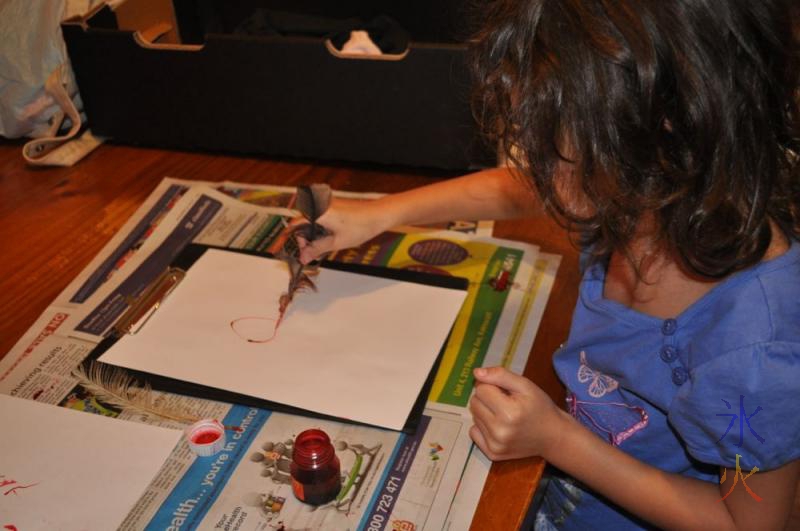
(686, 109)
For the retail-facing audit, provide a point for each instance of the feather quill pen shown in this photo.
(312, 201)
(115, 387)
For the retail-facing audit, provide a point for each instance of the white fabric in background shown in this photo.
(31, 49)
(361, 44)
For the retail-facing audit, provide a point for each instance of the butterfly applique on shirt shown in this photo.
(600, 383)
(616, 421)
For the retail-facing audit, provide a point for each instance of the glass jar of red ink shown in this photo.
(315, 469)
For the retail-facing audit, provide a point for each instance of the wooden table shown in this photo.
(54, 221)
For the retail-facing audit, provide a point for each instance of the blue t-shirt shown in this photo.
(686, 395)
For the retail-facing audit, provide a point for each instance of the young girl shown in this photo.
(664, 133)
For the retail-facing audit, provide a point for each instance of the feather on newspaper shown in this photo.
(390, 480)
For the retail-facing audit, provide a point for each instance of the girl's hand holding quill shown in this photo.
(312, 201)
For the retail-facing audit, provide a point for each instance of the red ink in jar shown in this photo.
(315, 468)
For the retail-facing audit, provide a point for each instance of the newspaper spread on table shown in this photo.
(429, 480)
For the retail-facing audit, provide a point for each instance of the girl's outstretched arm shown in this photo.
(496, 193)
(514, 418)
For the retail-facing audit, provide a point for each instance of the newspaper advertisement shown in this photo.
(389, 479)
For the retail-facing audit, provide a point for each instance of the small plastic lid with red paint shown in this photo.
(206, 437)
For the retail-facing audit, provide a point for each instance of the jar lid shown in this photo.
(206, 437)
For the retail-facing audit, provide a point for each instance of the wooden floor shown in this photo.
(54, 221)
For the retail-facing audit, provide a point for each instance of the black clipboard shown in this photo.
(147, 304)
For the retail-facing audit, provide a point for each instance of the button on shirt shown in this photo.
(669, 353)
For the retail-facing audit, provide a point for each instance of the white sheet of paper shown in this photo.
(360, 347)
(71, 470)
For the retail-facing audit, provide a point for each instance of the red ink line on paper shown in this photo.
(14, 490)
(238, 325)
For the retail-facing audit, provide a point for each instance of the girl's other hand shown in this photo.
(513, 417)
(349, 222)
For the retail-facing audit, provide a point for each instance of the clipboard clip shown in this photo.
(144, 306)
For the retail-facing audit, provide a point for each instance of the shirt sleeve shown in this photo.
(742, 403)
